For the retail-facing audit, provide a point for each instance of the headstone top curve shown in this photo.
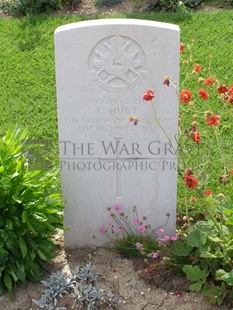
(117, 21)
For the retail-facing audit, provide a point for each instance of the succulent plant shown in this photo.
(81, 285)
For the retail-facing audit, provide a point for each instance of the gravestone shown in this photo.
(103, 68)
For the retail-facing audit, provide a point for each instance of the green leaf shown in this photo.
(7, 281)
(3, 251)
(215, 239)
(17, 199)
(14, 175)
(214, 293)
(24, 216)
(205, 254)
(224, 276)
(229, 221)
(228, 212)
(194, 273)
(41, 255)
(196, 238)
(2, 288)
(31, 228)
(180, 248)
(195, 287)
(5, 182)
(23, 246)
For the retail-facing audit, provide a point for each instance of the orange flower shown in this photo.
(196, 137)
(148, 95)
(212, 119)
(197, 68)
(190, 181)
(231, 171)
(185, 96)
(223, 88)
(208, 192)
(181, 47)
(203, 94)
(209, 81)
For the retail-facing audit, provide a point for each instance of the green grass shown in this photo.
(27, 69)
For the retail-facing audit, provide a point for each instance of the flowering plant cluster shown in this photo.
(135, 236)
(204, 241)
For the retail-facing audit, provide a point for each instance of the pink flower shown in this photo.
(174, 238)
(154, 255)
(160, 231)
(139, 246)
(117, 208)
(141, 228)
(102, 230)
(167, 237)
(136, 220)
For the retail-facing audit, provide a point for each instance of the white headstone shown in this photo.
(103, 68)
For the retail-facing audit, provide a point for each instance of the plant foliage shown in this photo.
(30, 212)
(24, 7)
(82, 285)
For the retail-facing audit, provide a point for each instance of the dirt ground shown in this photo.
(165, 292)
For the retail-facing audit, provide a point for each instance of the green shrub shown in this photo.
(172, 5)
(7, 6)
(107, 2)
(24, 7)
(30, 212)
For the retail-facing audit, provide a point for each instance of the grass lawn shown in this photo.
(27, 69)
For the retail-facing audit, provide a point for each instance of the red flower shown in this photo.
(204, 94)
(212, 119)
(196, 137)
(231, 171)
(208, 192)
(209, 81)
(190, 181)
(185, 96)
(231, 99)
(148, 95)
(231, 90)
(197, 68)
(223, 88)
(181, 47)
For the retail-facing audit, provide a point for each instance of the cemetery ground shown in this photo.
(126, 278)
(27, 96)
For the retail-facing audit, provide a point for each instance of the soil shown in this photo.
(128, 279)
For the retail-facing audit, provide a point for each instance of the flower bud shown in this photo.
(224, 179)
(189, 171)
(130, 118)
